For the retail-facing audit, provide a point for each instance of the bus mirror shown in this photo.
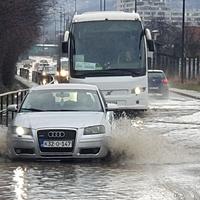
(65, 47)
(65, 42)
(148, 34)
(150, 42)
(66, 36)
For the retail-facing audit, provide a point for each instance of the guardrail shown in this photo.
(173, 67)
(24, 73)
(14, 97)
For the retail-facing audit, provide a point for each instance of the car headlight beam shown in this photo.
(92, 130)
(20, 131)
(44, 73)
(63, 73)
(44, 81)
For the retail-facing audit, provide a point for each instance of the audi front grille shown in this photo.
(59, 140)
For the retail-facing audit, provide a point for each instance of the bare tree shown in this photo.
(168, 41)
(192, 37)
(20, 22)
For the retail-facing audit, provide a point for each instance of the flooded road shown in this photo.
(160, 159)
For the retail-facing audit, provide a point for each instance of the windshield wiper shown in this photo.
(140, 41)
(123, 71)
(73, 43)
(32, 109)
(65, 110)
(108, 72)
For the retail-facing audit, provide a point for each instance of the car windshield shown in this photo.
(62, 100)
(156, 75)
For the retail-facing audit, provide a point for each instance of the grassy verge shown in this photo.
(187, 85)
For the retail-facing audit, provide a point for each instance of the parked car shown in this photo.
(158, 83)
(60, 121)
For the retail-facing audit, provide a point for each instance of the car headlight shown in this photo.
(92, 130)
(63, 73)
(44, 73)
(20, 131)
(44, 82)
(57, 73)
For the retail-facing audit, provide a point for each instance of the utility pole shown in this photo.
(155, 35)
(100, 5)
(75, 8)
(60, 43)
(104, 5)
(55, 27)
(65, 21)
(183, 45)
(135, 6)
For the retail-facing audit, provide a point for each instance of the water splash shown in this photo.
(137, 143)
(143, 145)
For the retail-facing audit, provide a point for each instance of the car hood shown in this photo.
(39, 120)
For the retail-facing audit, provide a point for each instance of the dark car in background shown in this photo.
(158, 83)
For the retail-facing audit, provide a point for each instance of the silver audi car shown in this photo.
(60, 121)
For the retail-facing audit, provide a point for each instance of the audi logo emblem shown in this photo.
(56, 134)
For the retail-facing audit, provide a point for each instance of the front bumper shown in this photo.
(129, 102)
(28, 147)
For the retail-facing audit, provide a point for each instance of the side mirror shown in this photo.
(65, 47)
(111, 107)
(150, 42)
(110, 116)
(65, 42)
(12, 108)
(151, 45)
(66, 36)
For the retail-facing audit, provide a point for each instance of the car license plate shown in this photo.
(57, 144)
(154, 88)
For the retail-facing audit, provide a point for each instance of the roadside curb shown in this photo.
(187, 93)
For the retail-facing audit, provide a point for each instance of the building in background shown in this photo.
(160, 10)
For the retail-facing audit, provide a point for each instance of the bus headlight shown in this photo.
(137, 91)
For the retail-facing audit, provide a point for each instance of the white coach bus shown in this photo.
(109, 49)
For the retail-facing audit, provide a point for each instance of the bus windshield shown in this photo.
(110, 48)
